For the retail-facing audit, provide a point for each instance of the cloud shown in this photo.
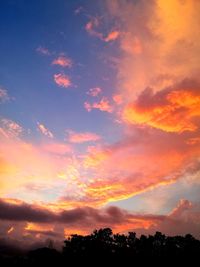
(78, 10)
(103, 105)
(4, 95)
(92, 26)
(158, 81)
(75, 137)
(112, 36)
(159, 48)
(62, 61)
(94, 91)
(183, 219)
(62, 80)
(44, 51)
(9, 128)
(39, 220)
(171, 110)
(24, 212)
(38, 172)
(44, 130)
(128, 168)
(118, 99)
(56, 148)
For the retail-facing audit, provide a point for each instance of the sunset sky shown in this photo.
(100, 117)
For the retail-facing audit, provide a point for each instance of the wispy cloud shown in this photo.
(62, 61)
(92, 26)
(9, 128)
(4, 95)
(102, 105)
(44, 130)
(56, 148)
(94, 91)
(82, 137)
(62, 80)
(78, 10)
(43, 50)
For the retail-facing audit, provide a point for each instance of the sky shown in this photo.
(99, 117)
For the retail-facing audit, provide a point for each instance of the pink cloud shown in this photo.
(94, 91)
(88, 106)
(103, 105)
(62, 61)
(57, 148)
(75, 137)
(4, 95)
(44, 51)
(44, 130)
(118, 99)
(91, 26)
(9, 128)
(62, 80)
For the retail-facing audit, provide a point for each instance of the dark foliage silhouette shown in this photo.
(103, 247)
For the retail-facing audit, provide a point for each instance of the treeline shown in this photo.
(103, 247)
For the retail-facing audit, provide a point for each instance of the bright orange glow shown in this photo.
(176, 114)
(112, 36)
(10, 230)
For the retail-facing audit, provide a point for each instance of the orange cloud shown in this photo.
(94, 91)
(112, 36)
(10, 230)
(62, 80)
(128, 168)
(62, 61)
(32, 172)
(159, 48)
(75, 137)
(102, 105)
(131, 44)
(170, 110)
(91, 28)
(44, 130)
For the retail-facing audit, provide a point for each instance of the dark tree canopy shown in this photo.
(102, 247)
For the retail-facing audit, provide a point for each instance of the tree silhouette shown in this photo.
(103, 247)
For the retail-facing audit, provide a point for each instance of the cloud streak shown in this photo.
(44, 130)
(78, 137)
